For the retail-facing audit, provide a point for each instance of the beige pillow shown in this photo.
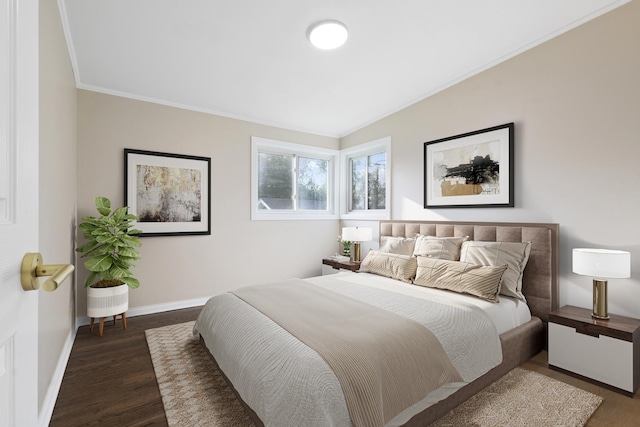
(514, 254)
(397, 245)
(439, 247)
(462, 277)
(396, 266)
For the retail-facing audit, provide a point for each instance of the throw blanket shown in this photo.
(384, 362)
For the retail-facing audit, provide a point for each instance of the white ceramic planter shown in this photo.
(105, 302)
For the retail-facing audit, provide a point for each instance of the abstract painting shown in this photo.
(170, 193)
(474, 169)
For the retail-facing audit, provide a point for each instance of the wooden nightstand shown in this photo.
(337, 265)
(606, 352)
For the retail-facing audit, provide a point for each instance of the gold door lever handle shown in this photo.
(32, 268)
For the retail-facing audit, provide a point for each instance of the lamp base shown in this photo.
(600, 311)
(356, 251)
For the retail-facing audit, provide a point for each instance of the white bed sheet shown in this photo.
(507, 314)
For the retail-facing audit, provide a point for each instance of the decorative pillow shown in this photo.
(439, 247)
(397, 245)
(462, 277)
(514, 254)
(395, 266)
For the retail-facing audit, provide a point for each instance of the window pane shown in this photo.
(312, 183)
(376, 181)
(275, 181)
(358, 182)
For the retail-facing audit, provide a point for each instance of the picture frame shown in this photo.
(470, 170)
(170, 193)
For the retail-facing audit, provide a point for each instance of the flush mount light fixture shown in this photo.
(329, 34)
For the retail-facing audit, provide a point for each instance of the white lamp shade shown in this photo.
(357, 234)
(602, 263)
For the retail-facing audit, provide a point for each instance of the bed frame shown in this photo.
(539, 285)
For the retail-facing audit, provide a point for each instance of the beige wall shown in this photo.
(575, 101)
(239, 251)
(57, 198)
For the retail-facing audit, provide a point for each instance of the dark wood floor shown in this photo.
(109, 380)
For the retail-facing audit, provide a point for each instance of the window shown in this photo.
(292, 181)
(365, 183)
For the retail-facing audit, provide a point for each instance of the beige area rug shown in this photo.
(194, 393)
(524, 398)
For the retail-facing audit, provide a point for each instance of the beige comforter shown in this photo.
(384, 362)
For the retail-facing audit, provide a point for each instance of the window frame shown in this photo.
(362, 150)
(272, 146)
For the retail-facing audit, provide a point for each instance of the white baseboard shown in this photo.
(49, 403)
(151, 309)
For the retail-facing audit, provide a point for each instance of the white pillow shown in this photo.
(439, 247)
(514, 254)
(397, 245)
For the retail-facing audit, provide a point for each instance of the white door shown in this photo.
(18, 210)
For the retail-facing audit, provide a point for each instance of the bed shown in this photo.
(282, 381)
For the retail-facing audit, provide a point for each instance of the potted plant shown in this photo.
(346, 246)
(109, 252)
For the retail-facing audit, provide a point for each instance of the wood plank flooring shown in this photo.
(110, 381)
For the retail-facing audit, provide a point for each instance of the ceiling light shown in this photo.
(328, 34)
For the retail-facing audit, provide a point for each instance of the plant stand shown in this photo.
(101, 329)
(107, 302)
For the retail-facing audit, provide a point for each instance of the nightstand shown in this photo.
(330, 266)
(605, 352)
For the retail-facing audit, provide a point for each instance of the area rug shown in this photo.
(524, 398)
(194, 393)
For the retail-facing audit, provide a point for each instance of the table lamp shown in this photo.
(601, 264)
(356, 235)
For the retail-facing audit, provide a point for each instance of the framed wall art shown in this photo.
(473, 169)
(170, 193)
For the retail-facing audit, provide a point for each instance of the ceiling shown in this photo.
(251, 60)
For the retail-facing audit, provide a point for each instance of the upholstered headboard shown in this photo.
(540, 279)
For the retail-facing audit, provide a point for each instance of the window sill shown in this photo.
(365, 215)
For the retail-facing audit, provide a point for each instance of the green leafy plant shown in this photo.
(346, 245)
(111, 246)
